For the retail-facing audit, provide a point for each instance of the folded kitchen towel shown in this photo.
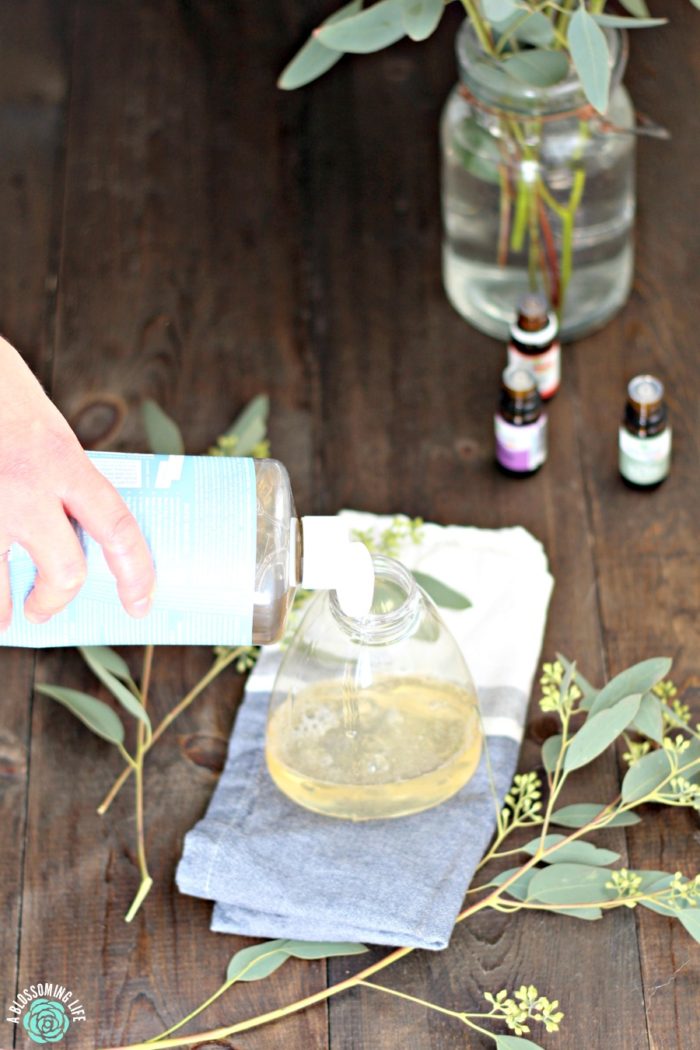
(275, 869)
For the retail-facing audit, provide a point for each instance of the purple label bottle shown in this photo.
(520, 424)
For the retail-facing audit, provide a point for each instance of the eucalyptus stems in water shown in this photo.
(538, 147)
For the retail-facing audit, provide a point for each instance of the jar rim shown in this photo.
(380, 626)
(482, 74)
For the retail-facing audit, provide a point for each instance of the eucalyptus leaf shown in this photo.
(370, 30)
(117, 688)
(162, 432)
(621, 22)
(519, 888)
(538, 67)
(599, 731)
(550, 752)
(94, 713)
(652, 882)
(535, 30)
(422, 17)
(581, 813)
(588, 691)
(645, 775)
(250, 427)
(696, 3)
(589, 51)
(323, 949)
(572, 852)
(444, 596)
(589, 914)
(475, 148)
(690, 917)
(499, 10)
(515, 1042)
(637, 679)
(650, 720)
(313, 60)
(570, 884)
(638, 8)
(108, 659)
(258, 961)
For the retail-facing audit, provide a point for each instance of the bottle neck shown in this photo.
(395, 606)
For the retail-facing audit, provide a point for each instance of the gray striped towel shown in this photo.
(277, 870)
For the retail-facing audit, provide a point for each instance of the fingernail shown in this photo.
(142, 606)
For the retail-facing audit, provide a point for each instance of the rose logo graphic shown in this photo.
(46, 1021)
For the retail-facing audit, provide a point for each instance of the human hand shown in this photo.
(45, 478)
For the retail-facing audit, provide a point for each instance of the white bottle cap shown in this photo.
(332, 562)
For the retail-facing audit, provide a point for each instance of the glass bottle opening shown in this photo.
(395, 605)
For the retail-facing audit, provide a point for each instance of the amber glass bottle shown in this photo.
(644, 442)
(520, 424)
(534, 343)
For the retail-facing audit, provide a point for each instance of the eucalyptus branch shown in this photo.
(146, 880)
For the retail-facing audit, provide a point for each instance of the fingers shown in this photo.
(5, 593)
(99, 508)
(59, 562)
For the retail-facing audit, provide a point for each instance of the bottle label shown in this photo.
(199, 517)
(521, 448)
(645, 460)
(546, 367)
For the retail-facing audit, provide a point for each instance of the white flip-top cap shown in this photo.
(332, 562)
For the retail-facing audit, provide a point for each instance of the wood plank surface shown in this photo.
(206, 237)
(32, 92)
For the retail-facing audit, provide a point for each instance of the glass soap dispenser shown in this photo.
(375, 716)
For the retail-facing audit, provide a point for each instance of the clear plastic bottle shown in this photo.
(373, 716)
(229, 553)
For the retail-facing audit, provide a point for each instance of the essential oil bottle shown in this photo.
(534, 343)
(645, 436)
(520, 424)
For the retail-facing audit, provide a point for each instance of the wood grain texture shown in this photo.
(205, 238)
(32, 90)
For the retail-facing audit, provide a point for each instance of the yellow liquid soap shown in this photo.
(414, 742)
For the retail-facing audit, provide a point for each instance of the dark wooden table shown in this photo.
(174, 227)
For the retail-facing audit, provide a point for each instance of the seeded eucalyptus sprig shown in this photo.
(559, 871)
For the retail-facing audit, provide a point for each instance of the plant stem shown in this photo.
(146, 880)
(216, 668)
(480, 27)
(463, 1017)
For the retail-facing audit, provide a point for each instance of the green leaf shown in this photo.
(108, 659)
(690, 917)
(572, 852)
(599, 731)
(620, 22)
(474, 147)
(637, 679)
(422, 17)
(550, 752)
(696, 3)
(582, 813)
(162, 432)
(650, 720)
(118, 690)
(371, 30)
(589, 51)
(323, 949)
(638, 8)
(590, 914)
(314, 59)
(250, 427)
(519, 889)
(515, 1042)
(499, 10)
(536, 30)
(258, 961)
(442, 595)
(645, 776)
(589, 691)
(537, 67)
(570, 884)
(94, 713)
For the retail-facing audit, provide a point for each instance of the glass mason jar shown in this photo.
(374, 717)
(537, 193)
